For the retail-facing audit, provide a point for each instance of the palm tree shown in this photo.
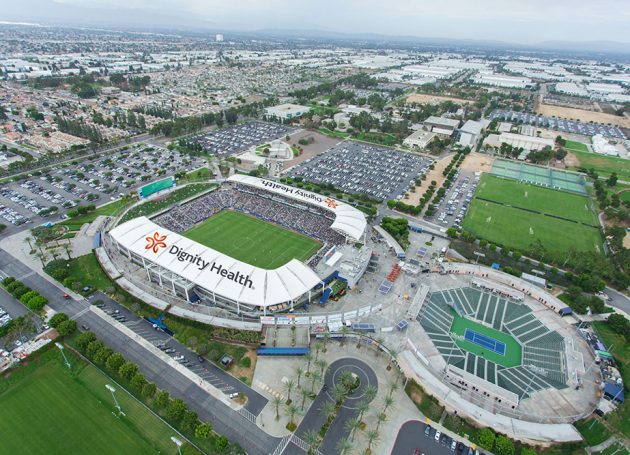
(309, 358)
(363, 407)
(327, 408)
(299, 372)
(292, 410)
(321, 364)
(380, 418)
(346, 379)
(381, 342)
(352, 426)
(387, 402)
(372, 437)
(318, 347)
(393, 354)
(344, 331)
(289, 385)
(277, 401)
(30, 245)
(42, 257)
(344, 446)
(68, 247)
(393, 386)
(338, 391)
(312, 439)
(315, 377)
(304, 394)
(326, 338)
(370, 393)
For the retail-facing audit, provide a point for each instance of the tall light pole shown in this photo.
(178, 443)
(113, 390)
(65, 359)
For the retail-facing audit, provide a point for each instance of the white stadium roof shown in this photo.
(212, 270)
(348, 220)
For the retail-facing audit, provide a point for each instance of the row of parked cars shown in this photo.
(5, 317)
(456, 447)
(458, 201)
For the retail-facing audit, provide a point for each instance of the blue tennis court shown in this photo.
(485, 341)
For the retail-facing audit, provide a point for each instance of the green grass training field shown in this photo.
(517, 215)
(515, 228)
(604, 165)
(544, 200)
(576, 146)
(251, 240)
(47, 409)
(513, 351)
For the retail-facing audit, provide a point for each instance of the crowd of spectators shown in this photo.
(305, 219)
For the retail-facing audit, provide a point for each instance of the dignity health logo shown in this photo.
(156, 242)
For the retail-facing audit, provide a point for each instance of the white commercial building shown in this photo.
(602, 146)
(419, 139)
(501, 80)
(286, 111)
(441, 125)
(469, 133)
(528, 143)
(571, 88)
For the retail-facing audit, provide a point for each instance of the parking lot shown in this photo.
(453, 206)
(568, 126)
(211, 373)
(238, 138)
(418, 438)
(45, 197)
(361, 168)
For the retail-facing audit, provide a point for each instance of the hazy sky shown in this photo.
(520, 21)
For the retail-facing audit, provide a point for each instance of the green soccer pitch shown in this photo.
(48, 409)
(513, 350)
(251, 240)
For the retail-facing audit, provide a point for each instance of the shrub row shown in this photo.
(30, 298)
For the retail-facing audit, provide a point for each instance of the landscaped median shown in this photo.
(33, 300)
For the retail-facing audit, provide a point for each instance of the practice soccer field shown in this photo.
(251, 240)
(513, 352)
(46, 409)
(515, 228)
(576, 146)
(543, 200)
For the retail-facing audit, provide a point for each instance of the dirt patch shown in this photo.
(320, 144)
(582, 114)
(434, 174)
(626, 240)
(239, 371)
(421, 98)
(477, 162)
(571, 160)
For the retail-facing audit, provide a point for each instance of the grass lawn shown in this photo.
(576, 146)
(515, 228)
(199, 174)
(48, 409)
(543, 200)
(593, 431)
(620, 350)
(377, 138)
(604, 165)
(425, 403)
(513, 351)
(337, 134)
(625, 196)
(615, 449)
(251, 240)
(110, 209)
(87, 270)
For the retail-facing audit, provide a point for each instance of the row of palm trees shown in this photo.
(42, 254)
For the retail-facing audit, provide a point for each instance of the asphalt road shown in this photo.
(208, 370)
(224, 420)
(411, 437)
(313, 420)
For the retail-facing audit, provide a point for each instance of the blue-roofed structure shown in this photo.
(282, 351)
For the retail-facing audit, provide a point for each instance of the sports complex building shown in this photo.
(252, 247)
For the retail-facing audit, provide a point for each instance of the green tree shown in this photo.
(503, 446)
(93, 348)
(289, 385)
(127, 370)
(176, 409)
(203, 431)
(312, 440)
(221, 443)
(67, 327)
(162, 399)
(103, 355)
(138, 381)
(190, 420)
(149, 390)
(84, 340)
(276, 400)
(486, 438)
(344, 446)
(57, 319)
(114, 362)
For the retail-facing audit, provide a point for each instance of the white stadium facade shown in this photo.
(201, 275)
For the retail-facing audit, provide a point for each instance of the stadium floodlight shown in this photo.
(178, 443)
(113, 391)
(63, 354)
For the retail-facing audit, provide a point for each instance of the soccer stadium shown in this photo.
(252, 247)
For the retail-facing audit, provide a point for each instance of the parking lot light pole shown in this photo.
(65, 359)
(113, 390)
(178, 443)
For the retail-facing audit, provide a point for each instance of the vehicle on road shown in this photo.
(66, 297)
(437, 436)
